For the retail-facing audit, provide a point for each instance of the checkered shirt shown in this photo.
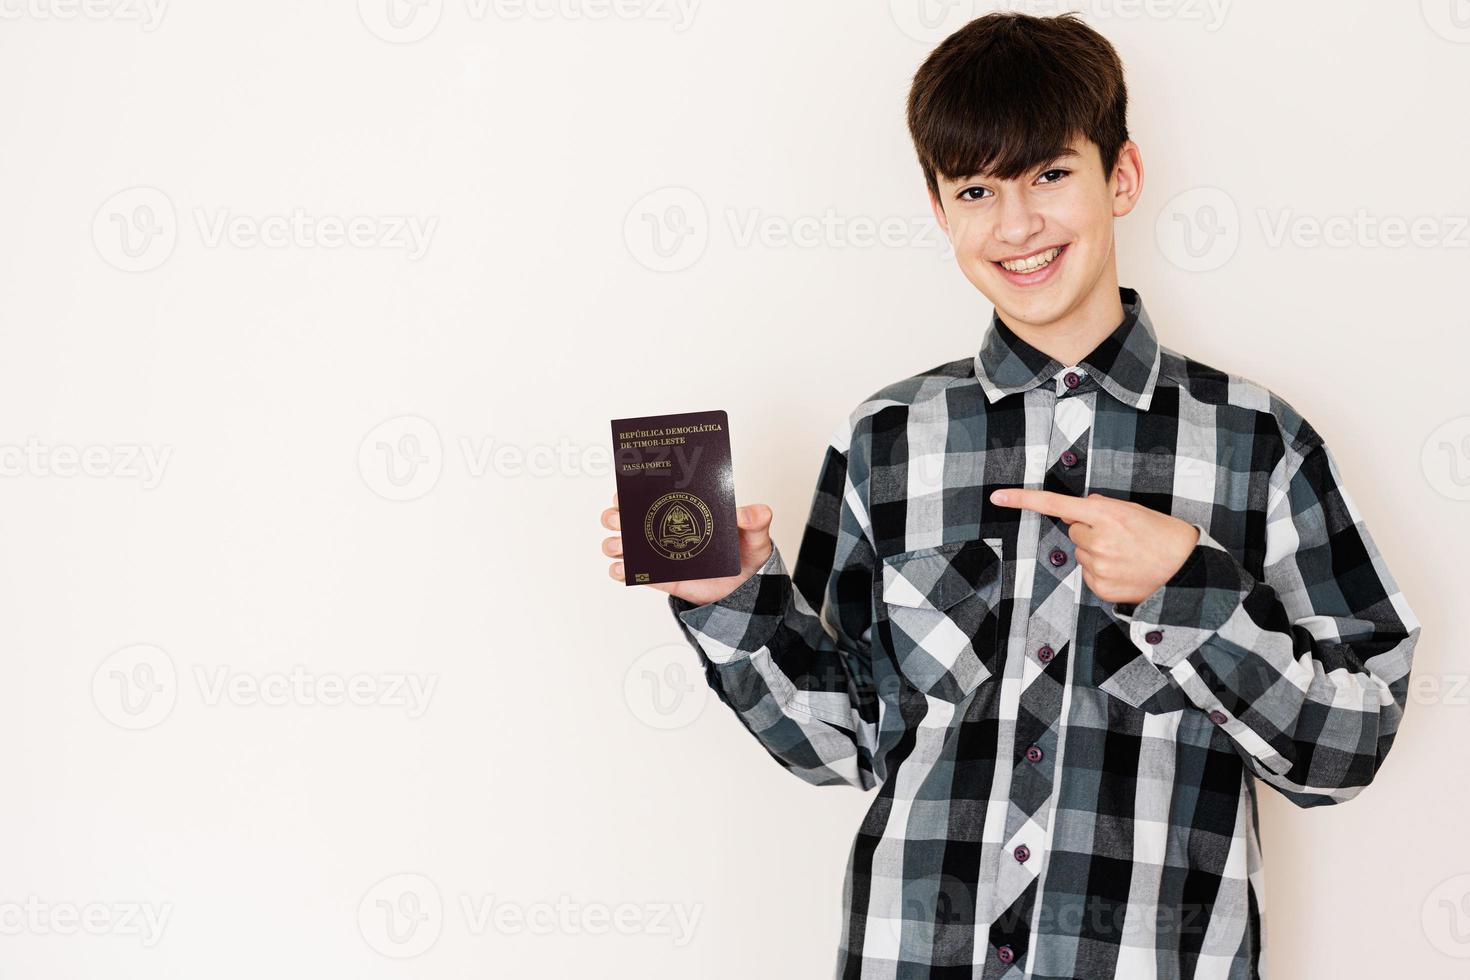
(1066, 787)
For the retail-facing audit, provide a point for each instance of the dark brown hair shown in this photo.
(1008, 91)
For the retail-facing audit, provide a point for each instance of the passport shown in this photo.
(676, 497)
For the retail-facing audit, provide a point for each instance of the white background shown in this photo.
(171, 631)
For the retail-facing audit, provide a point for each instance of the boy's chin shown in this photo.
(1032, 304)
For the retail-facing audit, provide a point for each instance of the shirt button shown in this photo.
(1072, 379)
(1005, 954)
(1045, 654)
(1154, 636)
(1069, 458)
(1219, 717)
(1033, 754)
(1058, 557)
(1022, 852)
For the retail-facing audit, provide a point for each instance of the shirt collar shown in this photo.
(1125, 363)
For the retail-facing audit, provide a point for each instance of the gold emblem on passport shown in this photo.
(678, 525)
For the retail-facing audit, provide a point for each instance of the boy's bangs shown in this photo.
(1010, 93)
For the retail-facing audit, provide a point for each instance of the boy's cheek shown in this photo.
(966, 239)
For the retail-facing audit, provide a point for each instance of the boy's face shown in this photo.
(1052, 227)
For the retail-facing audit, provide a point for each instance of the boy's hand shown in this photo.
(754, 522)
(1125, 549)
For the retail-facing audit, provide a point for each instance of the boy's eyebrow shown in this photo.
(1065, 154)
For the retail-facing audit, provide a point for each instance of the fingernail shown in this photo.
(999, 497)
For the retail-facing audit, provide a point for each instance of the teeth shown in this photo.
(1033, 263)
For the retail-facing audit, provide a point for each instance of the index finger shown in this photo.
(1065, 506)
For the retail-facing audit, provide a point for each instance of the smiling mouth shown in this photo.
(1032, 263)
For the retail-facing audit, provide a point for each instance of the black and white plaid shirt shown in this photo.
(1067, 786)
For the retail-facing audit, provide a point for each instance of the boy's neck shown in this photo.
(1076, 334)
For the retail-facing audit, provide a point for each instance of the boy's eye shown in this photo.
(979, 193)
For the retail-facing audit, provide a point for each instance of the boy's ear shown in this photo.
(1129, 177)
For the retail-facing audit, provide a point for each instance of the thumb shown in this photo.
(753, 519)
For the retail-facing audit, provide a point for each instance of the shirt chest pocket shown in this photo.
(938, 609)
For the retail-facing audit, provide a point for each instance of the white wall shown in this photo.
(262, 547)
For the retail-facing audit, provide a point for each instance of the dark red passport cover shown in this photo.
(676, 497)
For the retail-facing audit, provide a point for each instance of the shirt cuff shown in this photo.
(1181, 615)
(743, 621)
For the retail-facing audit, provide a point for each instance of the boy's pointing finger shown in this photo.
(1062, 505)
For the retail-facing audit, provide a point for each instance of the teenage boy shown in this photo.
(1064, 601)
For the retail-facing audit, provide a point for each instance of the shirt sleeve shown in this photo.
(790, 654)
(1307, 668)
